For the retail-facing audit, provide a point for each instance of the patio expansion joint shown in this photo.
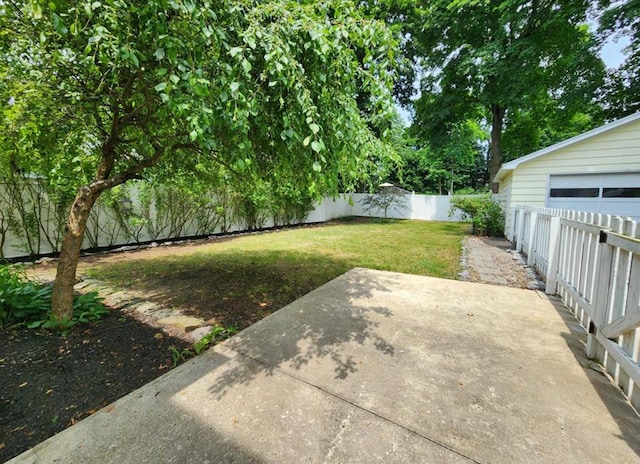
(357, 406)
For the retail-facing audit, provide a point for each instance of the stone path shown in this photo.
(137, 305)
(492, 260)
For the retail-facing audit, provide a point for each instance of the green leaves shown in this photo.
(58, 23)
(244, 84)
(25, 302)
(501, 58)
(484, 212)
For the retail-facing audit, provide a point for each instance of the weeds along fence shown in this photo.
(32, 219)
(592, 261)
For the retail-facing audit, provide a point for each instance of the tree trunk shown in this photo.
(62, 302)
(495, 155)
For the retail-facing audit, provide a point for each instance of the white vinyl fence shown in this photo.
(592, 261)
(39, 230)
(420, 207)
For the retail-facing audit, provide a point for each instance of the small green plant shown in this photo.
(179, 355)
(20, 299)
(484, 212)
(87, 307)
(25, 302)
(215, 336)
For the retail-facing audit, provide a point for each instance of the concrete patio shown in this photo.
(375, 367)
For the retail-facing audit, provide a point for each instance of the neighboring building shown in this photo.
(598, 171)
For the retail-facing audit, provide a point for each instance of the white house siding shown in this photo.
(504, 198)
(617, 150)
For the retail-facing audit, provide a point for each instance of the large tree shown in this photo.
(498, 55)
(544, 123)
(261, 87)
(622, 91)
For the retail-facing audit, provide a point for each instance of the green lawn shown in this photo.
(239, 280)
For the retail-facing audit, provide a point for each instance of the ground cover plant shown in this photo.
(25, 302)
(49, 381)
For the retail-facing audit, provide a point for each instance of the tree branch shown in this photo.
(133, 172)
(107, 160)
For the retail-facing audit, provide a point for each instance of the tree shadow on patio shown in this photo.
(621, 411)
(312, 332)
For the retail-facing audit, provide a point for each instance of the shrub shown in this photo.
(25, 302)
(484, 212)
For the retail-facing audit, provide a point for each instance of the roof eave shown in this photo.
(512, 165)
(502, 173)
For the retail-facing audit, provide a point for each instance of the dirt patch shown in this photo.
(49, 381)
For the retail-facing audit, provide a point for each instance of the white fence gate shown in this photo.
(592, 261)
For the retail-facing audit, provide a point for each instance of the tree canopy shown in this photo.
(481, 60)
(621, 95)
(262, 88)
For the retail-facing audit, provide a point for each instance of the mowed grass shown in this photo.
(241, 279)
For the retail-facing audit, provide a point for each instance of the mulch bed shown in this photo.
(49, 381)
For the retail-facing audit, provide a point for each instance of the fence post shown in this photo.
(601, 292)
(554, 256)
(520, 229)
(412, 207)
(532, 234)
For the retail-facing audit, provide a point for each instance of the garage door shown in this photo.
(617, 194)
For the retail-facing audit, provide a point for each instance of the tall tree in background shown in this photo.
(448, 161)
(546, 122)
(413, 172)
(451, 146)
(262, 88)
(499, 55)
(621, 95)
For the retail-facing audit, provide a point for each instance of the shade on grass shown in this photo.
(242, 279)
